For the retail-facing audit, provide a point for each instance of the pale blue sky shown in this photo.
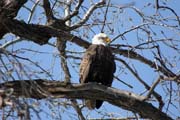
(121, 24)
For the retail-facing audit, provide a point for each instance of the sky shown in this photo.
(48, 57)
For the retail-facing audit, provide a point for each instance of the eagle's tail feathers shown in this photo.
(92, 104)
(98, 103)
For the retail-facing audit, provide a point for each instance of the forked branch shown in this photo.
(40, 89)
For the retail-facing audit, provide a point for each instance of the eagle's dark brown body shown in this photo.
(98, 66)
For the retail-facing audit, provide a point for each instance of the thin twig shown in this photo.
(153, 87)
(105, 17)
(168, 8)
(7, 44)
(130, 86)
(78, 109)
(32, 11)
(131, 29)
(75, 11)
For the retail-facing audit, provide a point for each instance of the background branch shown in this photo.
(41, 34)
(88, 14)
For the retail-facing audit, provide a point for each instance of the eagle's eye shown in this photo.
(105, 39)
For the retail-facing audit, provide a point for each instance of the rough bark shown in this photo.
(9, 9)
(40, 89)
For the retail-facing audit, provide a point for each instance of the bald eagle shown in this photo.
(97, 65)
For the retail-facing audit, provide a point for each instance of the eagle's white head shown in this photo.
(101, 39)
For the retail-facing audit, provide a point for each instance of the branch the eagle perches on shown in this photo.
(41, 89)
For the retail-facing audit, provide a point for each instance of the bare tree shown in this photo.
(42, 43)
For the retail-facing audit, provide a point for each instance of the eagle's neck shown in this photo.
(98, 42)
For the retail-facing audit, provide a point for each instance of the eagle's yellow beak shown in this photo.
(108, 40)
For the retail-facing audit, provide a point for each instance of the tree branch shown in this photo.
(88, 14)
(48, 11)
(75, 11)
(41, 34)
(61, 46)
(9, 9)
(136, 56)
(40, 89)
